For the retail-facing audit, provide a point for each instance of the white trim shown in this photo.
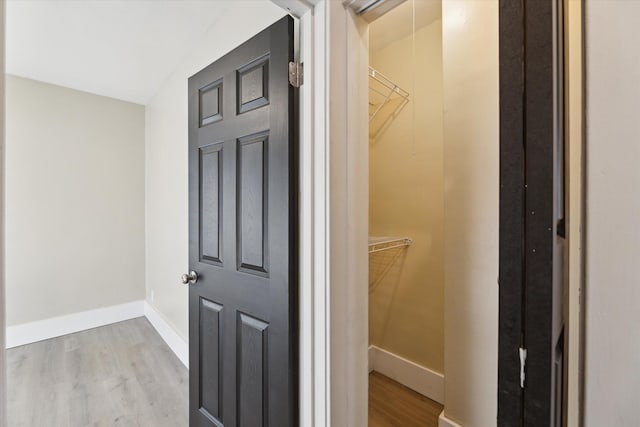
(314, 384)
(40, 330)
(372, 357)
(54, 327)
(418, 378)
(314, 365)
(297, 8)
(319, 194)
(443, 421)
(175, 341)
(307, 374)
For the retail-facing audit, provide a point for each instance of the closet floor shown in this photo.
(392, 404)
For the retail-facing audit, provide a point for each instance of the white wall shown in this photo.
(166, 143)
(2, 269)
(612, 358)
(74, 201)
(471, 141)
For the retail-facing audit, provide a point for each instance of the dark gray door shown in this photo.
(242, 236)
(532, 214)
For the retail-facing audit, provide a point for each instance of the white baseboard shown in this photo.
(418, 378)
(40, 330)
(443, 421)
(372, 357)
(175, 342)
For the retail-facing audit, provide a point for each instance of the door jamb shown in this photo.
(314, 314)
(333, 378)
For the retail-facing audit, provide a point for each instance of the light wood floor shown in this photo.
(125, 375)
(392, 404)
(117, 375)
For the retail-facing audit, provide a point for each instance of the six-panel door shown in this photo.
(242, 236)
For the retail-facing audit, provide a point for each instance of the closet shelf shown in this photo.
(382, 91)
(379, 244)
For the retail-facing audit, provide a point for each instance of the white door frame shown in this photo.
(333, 214)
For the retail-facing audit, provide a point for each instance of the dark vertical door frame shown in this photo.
(530, 217)
(512, 205)
(544, 219)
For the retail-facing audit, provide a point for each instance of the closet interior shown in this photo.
(406, 216)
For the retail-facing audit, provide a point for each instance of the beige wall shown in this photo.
(341, 158)
(74, 201)
(471, 153)
(612, 358)
(166, 141)
(407, 199)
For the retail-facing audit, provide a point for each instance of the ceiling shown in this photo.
(126, 49)
(121, 49)
(398, 23)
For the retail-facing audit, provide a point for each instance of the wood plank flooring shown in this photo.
(125, 375)
(392, 404)
(118, 375)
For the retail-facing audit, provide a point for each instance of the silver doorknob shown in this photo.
(192, 278)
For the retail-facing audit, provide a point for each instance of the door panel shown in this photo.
(210, 334)
(242, 236)
(253, 376)
(252, 197)
(210, 202)
(253, 85)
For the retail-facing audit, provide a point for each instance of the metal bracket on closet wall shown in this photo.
(378, 244)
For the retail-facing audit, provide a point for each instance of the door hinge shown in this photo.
(523, 364)
(296, 74)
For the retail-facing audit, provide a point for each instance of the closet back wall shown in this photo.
(74, 201)
(407, 199)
